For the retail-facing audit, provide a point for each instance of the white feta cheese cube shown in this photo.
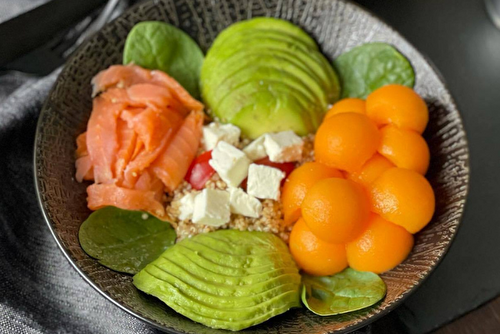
(187, 206)
(243, 204)
(230, 163)
(264, 181)
(216, 132)
(256, 150)
(211, 207)
(283, 146)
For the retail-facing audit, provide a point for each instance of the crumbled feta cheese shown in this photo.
(216, 132)
(283, 146)
(256, 150)
(243, 204)
(187, 206)
(211, 207)
(264, 181)
(230, 163)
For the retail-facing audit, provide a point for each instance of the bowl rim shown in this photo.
(348, 328)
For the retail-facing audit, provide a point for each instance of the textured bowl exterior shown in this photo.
(337, 26)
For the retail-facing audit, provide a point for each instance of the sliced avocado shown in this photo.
(271, 50)
(239, 270)
(276, 69)
(313, 105)
(211, 293)
(268, 98)
(208, 291)
(213, 316)
(258, 34)
(264, 23)
(233, 71)
(251, 59)
(272, 109)
(256, 41)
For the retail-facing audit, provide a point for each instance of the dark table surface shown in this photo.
(465, 46)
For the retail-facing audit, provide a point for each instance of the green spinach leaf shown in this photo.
(371, 66)
(161, 46)
(347, 291)
(124, 240)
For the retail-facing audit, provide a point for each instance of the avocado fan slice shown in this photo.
(256, 41)
(312, 105)
(268, 52)
(270, 66)
(264, 106)
(264, 23)
(231, 296)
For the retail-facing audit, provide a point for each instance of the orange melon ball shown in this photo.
(403, 197)
(404, 148)
(381, 246)
(336, 210)
(349, 104)
(372, 169)
(346, 141)
(398, 105)
(298, 183)
(313, 255)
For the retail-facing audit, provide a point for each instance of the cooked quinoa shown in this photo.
(271, 219)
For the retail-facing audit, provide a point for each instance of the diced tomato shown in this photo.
(286, 167)
(200, 171)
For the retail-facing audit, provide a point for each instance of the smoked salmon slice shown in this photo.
(172, 165)
(149, 181)
(83, 163)
(84, 169)
(124, 76)
(142, 161)
(155, 96)
(151, 126)
(120, 76)
(81, 145)
(101, 195)
(102, 139)
(145, 157)
(177, 90)
(143, 133)
(127, 139)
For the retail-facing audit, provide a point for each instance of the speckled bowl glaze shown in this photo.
(337, 26)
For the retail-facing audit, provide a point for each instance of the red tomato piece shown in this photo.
(286, 167)
(200, 171)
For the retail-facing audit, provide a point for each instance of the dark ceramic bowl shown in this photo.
(337, 26)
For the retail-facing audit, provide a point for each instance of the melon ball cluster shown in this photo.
(364, 197)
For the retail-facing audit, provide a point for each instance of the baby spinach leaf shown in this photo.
(161, 46)
(347, 291)
(371, 66)
(124, 240)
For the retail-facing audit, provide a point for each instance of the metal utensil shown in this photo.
(105, 16)
(54, 53)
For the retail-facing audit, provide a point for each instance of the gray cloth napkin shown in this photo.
(12, 8)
